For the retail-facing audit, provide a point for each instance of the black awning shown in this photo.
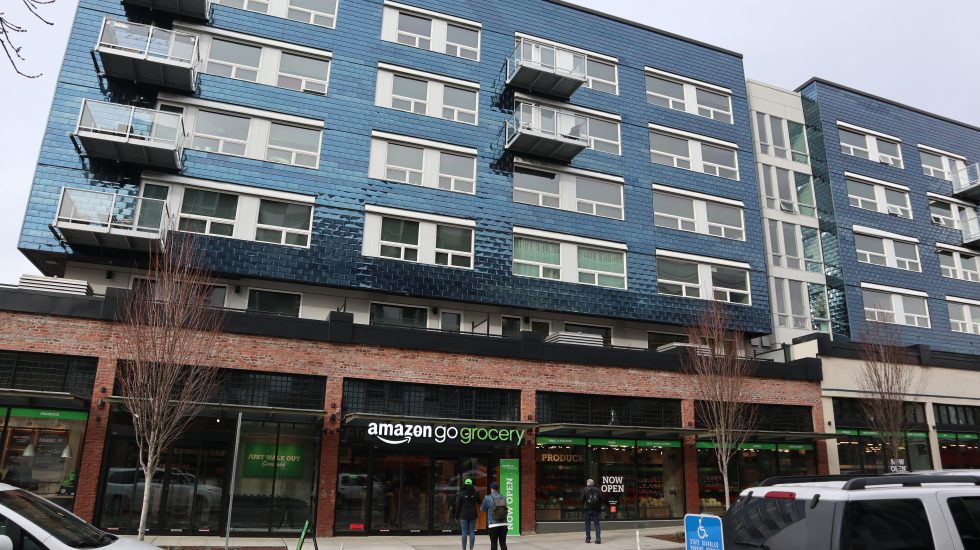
(251, 412)
(363, 419)
(782, 437)
(47, 399)
(634, 432)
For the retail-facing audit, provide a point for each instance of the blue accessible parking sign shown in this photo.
(703, 532)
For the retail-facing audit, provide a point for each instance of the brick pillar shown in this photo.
(819, 426)
(95, 440)
(528, 464)
(691, 493)
(329, 458)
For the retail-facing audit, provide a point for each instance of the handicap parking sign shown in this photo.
(703, 532)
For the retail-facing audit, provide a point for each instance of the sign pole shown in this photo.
(234, 471)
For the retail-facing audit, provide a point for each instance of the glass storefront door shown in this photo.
(192, 488)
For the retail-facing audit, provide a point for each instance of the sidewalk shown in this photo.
(612, 540)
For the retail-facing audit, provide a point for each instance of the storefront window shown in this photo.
(850, 455)
(561, 465)
(41, 449)
(959, 450)
(758, 461)
(614, 470)
(862, 451)
(710, 483)
(918, 451)
(659, 473)
(796, 459)
(351, 509)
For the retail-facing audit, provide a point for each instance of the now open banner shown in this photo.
(510, 489)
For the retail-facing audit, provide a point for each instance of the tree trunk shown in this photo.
(151, 466)
(724, 481)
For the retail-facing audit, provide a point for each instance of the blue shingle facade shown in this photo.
(826, 104)
(342, 186)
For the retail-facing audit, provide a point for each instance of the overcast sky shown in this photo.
(925, 54)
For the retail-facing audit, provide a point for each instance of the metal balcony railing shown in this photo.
(149, 42)
(545, 68)
(132, 123)
(103, 211)
(971, 231)
(547, 132)
(966, 182)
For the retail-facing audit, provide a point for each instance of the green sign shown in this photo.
(648, 443)
(260, 460)
(47, 413)
(869, 433)
(612, 442)
(946, 435)
(510, 489)
(845, 431)
(917, 435)
(969, 437)
(549, 440)
(758, 446)
(705, 445)
(796, 446)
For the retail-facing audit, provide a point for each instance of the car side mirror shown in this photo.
(6, 543)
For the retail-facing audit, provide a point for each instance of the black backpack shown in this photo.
(499, 510)
(469, 499)
(592, 499)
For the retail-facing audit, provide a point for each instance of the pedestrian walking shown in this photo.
(496, 508)
(592, 504)
(464, 510)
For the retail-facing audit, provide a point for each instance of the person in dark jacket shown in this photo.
(592, 505)
(464, 510)
(496, 528)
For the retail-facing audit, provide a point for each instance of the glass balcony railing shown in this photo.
(971, 230)
(151, 43)
(546, 69)
(967, 180)
(104, 212)
(132, 123)
(548, 122)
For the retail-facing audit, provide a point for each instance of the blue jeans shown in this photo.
(592, 516)
(468, 528)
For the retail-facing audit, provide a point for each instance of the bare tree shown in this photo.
(166, 339)
(8, 29)
(719, 369)
(888, 383)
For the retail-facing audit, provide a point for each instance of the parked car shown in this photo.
(29, 522)
(888, 512)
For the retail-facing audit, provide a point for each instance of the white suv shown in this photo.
(890, 512)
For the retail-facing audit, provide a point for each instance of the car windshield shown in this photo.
(60, 524)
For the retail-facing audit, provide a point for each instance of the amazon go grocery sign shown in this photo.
(398, 433)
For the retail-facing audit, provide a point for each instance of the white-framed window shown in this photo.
(870, 145)
(800, 305)
(895, 306)
(692, 152)
(220, 133)
(947, 212)
(275, 302)
(429, 30)
(692, 96)
(690, 276)
(233, 59)
(688, 211)
(781, 138)
(544, 255)
(573, 190)
(293, 145)
(404, 159)
(939, 164)
(959, 264)
(878, 196)
(397, 315)
(302, 73)
(322, 13)
(427, 94)
(602, 133)
(418, 237)
(787, 190)
(208, 212)
(876, 249)
(964, 315)
(284, 223)
(602, 75)
(794, 246)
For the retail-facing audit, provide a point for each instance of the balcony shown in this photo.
(131, 134)
(966, 183)
(971, 231)
(547, 132)
(112, 220)
(149, 55)
(194, 9)
(544, 69)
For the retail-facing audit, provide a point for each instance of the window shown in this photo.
(947, 213)
(964, 316)
(574, 191)
(601, 76)
(208, 212)
(966, 515)
(511, 326)
(868, 194)
(885, 251)
(304, 74)
(420, 162)
(399, 316)
(697, 213)
(559, 257)
(698, 277)
(258, 6)
(283, 223)
(233, 60)
(781, 138)
(429, 30)
(293, 145)
(541, 327)
(604, 332)
(957, 264)
(800, 305)
(692, 96)
(794, 246)
(318, 12)
(427, 94)
(450, 321)
(895, 308)
(681, 151)
(279, 303)
(788, 191)
(220, 133)
(868, 145)
(657, 339)
(416, 237)
(940, 165)
(890, 523)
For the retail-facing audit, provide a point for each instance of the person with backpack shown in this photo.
(464, 510)
(496, 508)
(592, 504)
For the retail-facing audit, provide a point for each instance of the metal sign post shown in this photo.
(234, 472)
